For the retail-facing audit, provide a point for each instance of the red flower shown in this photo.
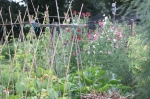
(79, 38)
(75, 12)
(88, 14)
(83, 14)
(79, 30)
(72, 36)
(91, 31)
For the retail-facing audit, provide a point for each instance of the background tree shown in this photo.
(99, 6)
(14, 7)
(42, 7)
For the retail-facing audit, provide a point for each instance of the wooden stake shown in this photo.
(80, 12)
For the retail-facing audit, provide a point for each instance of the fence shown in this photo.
(36, 25)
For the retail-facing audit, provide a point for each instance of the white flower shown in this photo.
(117, 46)
(94, 52)
(95, 35)
(68, 20)
(114, 40)
(104, 23)
(91, 42)
(101, 52)
(113, 76)
(76, 77)
(106, 18)
(101, 36)
(88, 52)
(93, 46)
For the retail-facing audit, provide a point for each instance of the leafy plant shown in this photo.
(138, 53)
(94, 79)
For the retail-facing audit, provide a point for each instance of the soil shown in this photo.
(114, 95)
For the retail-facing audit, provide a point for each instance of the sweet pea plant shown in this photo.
(106, 47)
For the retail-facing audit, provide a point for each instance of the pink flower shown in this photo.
(119, 35)
(96, 36)
(108, 39)
(104, 22)
(89, 35)
(88, 14)
(112, 27)
(109, 53)
(101, 24)
(115, 29)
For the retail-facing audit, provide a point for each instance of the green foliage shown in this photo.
(91, 79)
(139, 55)
(140, 47)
